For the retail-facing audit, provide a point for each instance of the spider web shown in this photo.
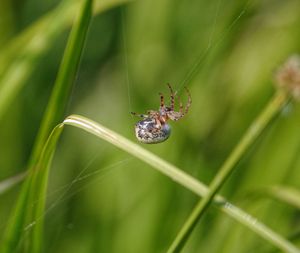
(212, 44)
(66, 191)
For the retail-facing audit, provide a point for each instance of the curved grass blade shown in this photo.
(162, 166)
(182, 178)
(40, 189)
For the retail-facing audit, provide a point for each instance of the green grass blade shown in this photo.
(182, 178)
(162, 166)
(284, 194)
(14, 229)
(54, 113)
(40, 188)
(273, 107)
(65, 78)
(8, 183)
(11, 239)
(19, 58)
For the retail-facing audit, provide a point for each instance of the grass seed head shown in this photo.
(287, 76)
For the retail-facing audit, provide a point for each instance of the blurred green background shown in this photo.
(102, 200)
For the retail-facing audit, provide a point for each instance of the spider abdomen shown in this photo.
(148, 131)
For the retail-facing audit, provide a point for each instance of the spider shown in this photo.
(153, 128)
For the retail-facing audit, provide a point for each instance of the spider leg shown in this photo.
(162, 103)
(189, 101)
(175, 115)
(139, 115)
(180, 106)
(172, 97)
(182, 111)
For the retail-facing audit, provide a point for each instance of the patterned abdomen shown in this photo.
(148, 131)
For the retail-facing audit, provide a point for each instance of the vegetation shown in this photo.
(237, 148)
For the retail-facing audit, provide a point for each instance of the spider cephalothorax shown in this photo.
(154, 128)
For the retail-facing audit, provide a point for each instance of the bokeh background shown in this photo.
(102, 200)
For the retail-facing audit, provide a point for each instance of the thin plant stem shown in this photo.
(255, 129)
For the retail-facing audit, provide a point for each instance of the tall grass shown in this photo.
(134, 209)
